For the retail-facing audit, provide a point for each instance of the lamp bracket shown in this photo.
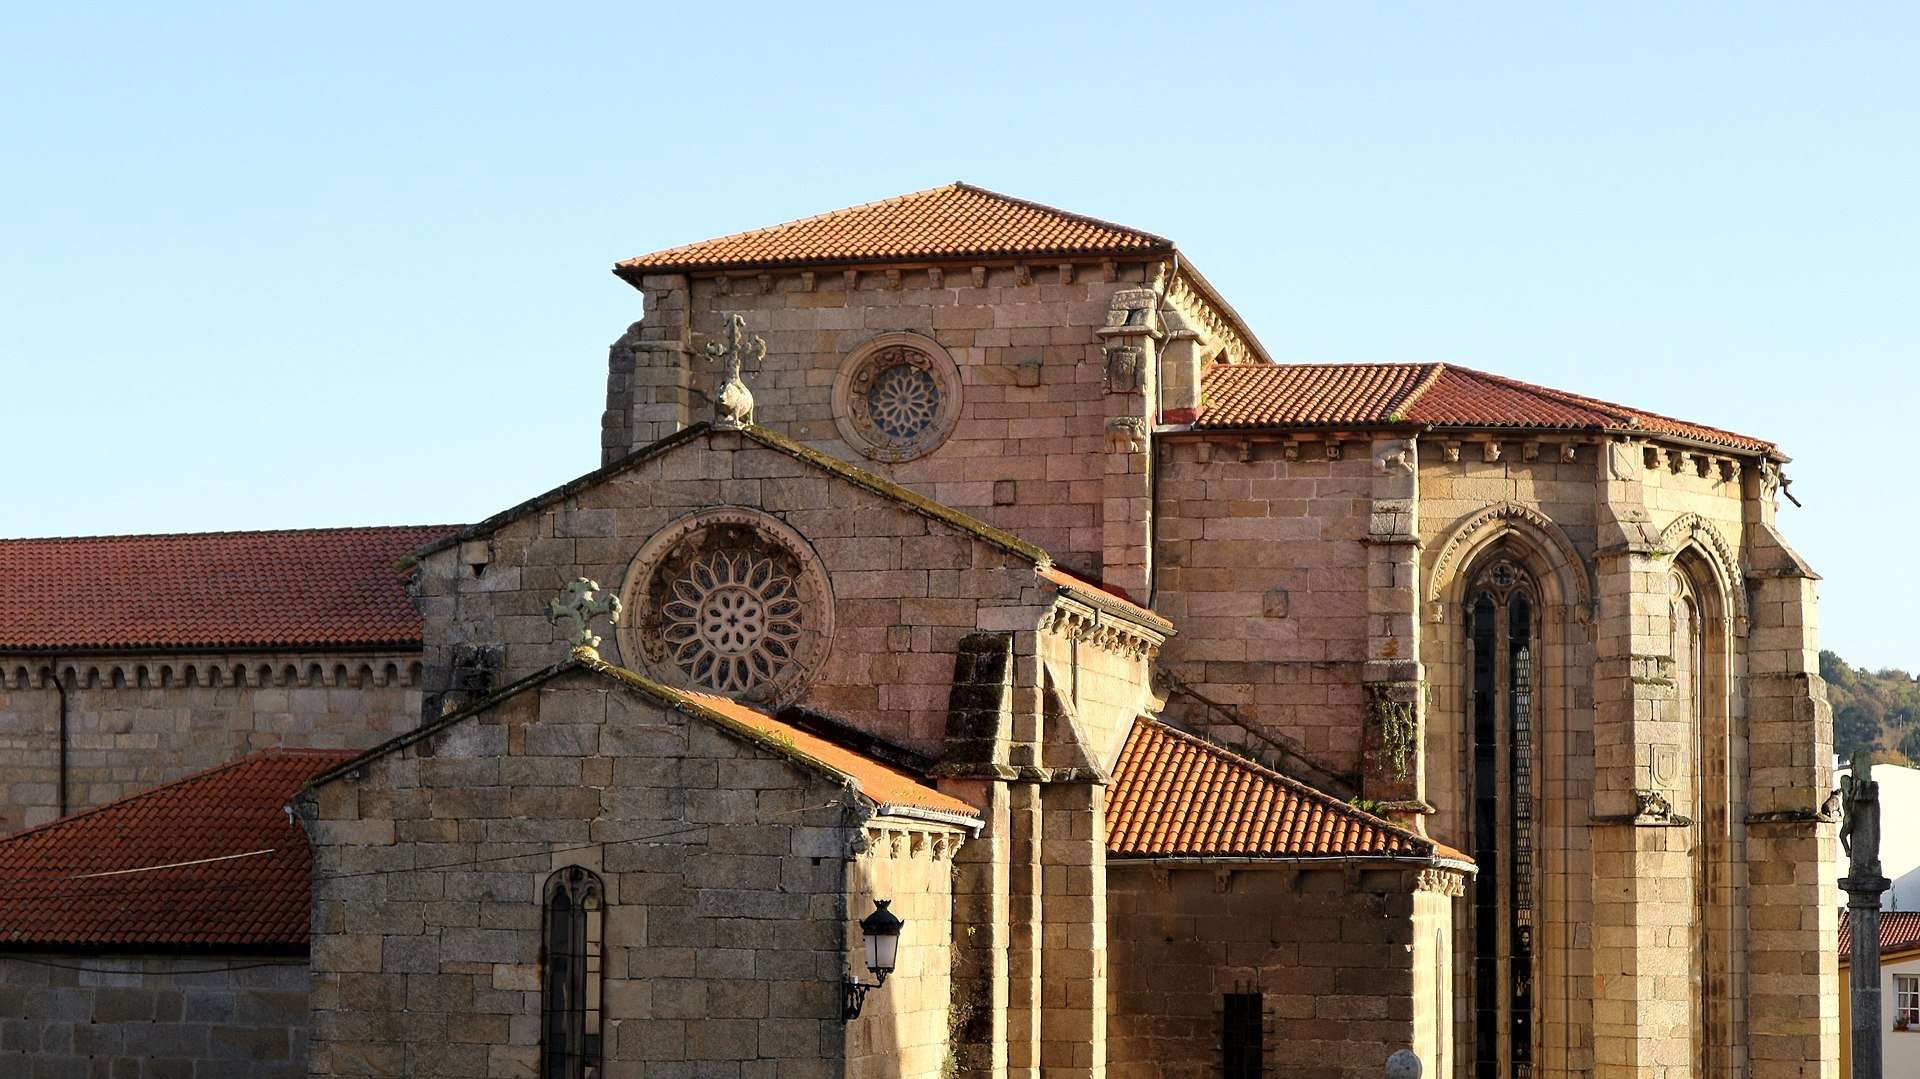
(854, 994)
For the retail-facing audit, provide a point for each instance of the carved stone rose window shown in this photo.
(731, 622)
(897, 397)
(728, 601)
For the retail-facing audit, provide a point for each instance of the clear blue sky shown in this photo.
(343, 264)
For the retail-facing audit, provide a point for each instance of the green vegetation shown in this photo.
(1878, 710)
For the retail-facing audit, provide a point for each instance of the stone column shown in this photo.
(1793, 891)
(1130, 356)
(975, 768)
(1073, 1025)
(1642, 899)
(1024, 933)
(977, 1017)
(1394, 769)
(647, 371)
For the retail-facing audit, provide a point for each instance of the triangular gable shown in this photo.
(912, 501)
(888, 788)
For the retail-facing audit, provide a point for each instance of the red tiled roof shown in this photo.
(951, 222)
(260, 899)
(1106, 595)
(307, 588)
(1899, 932)
(1174, 795)
(1440, 395)
(885, 784)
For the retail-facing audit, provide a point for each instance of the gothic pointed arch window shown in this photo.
(1703, 793)
(573, 916)
(1502, 623)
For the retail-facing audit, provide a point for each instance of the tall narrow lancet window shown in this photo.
(1501, 633)
(1703, 801)
(570, 975)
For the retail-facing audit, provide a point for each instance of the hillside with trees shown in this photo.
(1877, 710)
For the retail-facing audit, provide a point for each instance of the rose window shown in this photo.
(902, 402)
(897, 397)
(732, 622)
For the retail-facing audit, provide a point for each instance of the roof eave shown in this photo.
(1212, 295)
(76, 651)
(1310, 861)
(632, 272)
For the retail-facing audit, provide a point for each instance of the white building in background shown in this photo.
(1899, 837)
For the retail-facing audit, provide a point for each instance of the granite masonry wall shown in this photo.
(1027, 450)
(137, 721)
(728, 872)
(152, 1016)
(1262, 568)
(1342, 958)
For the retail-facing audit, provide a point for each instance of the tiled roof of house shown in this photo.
(952, 222)
(1899, 932)
(1435, 394)
(1174, 795)
(308, 588)
(239, 873)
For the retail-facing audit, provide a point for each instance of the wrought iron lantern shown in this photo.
(882, 932)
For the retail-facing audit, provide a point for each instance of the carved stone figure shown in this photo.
(1860, 831)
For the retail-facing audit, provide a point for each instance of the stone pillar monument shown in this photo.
(1864, 883)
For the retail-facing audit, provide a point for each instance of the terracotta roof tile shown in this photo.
(309, 588)
(1174, 795)
(951, 222)
(259, 899)
(1441, 395)
(1899, 932)
(884, 783)
(1105, 595)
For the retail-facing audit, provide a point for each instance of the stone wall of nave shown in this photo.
(136, 721)
(1261, 566)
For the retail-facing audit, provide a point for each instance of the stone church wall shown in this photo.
(1262, 569)
(134, 722)
(1343, 961)
(152, 1017)
(906, 589)
(903, 1029)
(726, 870)
(1028, 450)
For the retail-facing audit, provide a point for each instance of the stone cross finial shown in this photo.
(583, 602)
(732, 404)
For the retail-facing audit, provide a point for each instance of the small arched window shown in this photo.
(573, 914)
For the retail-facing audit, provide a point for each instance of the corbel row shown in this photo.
(894, 277)
(899, 842)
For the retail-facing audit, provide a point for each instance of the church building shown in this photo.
(972, 654)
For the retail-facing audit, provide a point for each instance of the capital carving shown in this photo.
(1126, 434)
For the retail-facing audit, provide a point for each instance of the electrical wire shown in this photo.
(215, 886)
(84, 969)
